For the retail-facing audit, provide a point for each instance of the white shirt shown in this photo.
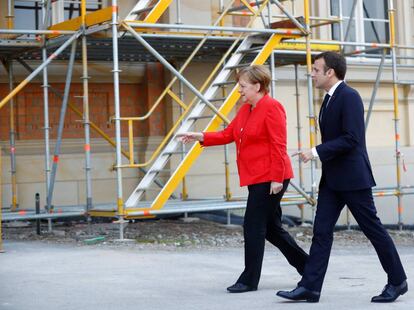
(330, 93)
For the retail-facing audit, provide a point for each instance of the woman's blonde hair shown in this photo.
(256, 74)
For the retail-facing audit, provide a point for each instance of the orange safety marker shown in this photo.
(87, 147)
(146, 212)
(22, 212)
(56, 158)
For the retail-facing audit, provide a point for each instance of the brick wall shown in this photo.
(136, 100)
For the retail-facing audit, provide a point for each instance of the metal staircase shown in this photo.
(259, 45)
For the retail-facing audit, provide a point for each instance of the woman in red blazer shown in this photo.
(259, 131)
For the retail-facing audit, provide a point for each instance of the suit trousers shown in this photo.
(263, 220)
(361, 204)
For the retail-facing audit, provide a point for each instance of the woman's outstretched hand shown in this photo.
(187, 137)
(275, 187)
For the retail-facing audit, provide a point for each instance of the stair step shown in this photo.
(143, 10)
(201, 117)
(217, 99)
(159, 170)
(237, 66)
(225, 83)
(175, 152)
(250, 50)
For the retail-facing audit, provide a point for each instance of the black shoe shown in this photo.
(391, 292)
(300, 294)
(240, 288)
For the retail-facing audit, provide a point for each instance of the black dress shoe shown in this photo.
(391, 292)
(300, 294)
(240, 288)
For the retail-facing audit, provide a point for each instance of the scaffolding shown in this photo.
(275, 39)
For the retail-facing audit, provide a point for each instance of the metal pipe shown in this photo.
(299, 135)
(45, 15)
(184, 193)
(213, 28)
(63, 109)
(10, 16)
(272, 60)
(12, 134)
(312, 127)
(120, 201)
(178, 3)
(223, 206)
(311, 200)
(391, 13)
(35, 32)
(37, 207)
(341, 30)
(86, 121)
(336, 42)
(227, 193)
(374, 91)
(176, 73)
(273, 73)
(258, 3)
(48, 216)
(1, 200)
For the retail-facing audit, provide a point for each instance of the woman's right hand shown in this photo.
(187, 137)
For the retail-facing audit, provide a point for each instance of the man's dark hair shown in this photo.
(334, 61)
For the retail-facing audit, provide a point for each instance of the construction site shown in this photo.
(94, 93)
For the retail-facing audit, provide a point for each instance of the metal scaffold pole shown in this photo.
(86, 122)
(184, 192)
(12, 141)
(120, 202)
(391, 13)
(312, 127)
(45, 15)
(299, 136)
(1, 201)
(61, 125)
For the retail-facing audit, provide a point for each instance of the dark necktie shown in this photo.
(324, 105)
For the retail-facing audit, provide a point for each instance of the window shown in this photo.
(368, 25)
(28, 14)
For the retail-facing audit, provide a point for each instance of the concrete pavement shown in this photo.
(35, 275)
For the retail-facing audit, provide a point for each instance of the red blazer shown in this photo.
(260, 136)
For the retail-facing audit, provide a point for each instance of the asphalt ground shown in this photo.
(41, 275)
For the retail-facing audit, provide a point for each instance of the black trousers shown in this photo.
(262, 220)
(361, 205)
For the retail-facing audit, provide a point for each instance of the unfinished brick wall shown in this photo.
(136, 100)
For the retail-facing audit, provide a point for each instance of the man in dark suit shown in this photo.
(346, 180)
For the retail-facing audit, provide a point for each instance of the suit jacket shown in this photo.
(343, 152)
(260, 137)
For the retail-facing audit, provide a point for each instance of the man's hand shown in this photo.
(275, 187)
(305, 156)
